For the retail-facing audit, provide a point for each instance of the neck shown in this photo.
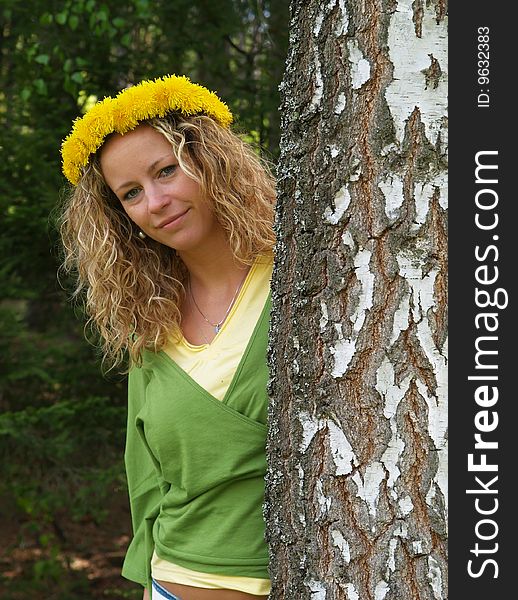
(214, 270)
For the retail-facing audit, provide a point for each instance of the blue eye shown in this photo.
(131, 194)
(169, 170)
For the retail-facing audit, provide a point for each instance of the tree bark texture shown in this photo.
(356, 494)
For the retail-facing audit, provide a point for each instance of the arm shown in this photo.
(146, 595)
(143, 485)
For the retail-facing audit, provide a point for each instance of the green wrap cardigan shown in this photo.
(195, 466)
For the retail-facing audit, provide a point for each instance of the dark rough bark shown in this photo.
(356, 484)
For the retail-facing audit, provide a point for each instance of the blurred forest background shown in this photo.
(64, 519)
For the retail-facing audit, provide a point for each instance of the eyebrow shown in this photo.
(151, 168)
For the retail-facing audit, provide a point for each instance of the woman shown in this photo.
(169, 227)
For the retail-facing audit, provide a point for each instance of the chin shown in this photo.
(180, 245)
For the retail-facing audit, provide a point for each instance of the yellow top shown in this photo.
(213, 366)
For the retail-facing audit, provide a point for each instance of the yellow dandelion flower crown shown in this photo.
(123, 113)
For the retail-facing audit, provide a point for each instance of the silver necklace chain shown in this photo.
(217, 326)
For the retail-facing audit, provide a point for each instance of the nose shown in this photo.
(157, 198)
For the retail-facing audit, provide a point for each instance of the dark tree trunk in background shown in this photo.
(277, 24)
(356, 486)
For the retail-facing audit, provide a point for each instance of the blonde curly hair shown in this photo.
(133, 288)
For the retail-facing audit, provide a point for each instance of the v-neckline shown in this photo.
(169, 360)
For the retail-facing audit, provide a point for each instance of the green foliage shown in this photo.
(61, 422)
(60, 445)
(57, 440)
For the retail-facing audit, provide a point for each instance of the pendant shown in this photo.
(217, 328)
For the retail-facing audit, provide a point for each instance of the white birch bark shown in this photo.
(356, 484)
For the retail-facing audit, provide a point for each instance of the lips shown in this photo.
(171, 220)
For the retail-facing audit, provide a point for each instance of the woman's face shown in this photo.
(167, 205)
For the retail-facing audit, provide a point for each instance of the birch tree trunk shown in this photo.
(356, 483)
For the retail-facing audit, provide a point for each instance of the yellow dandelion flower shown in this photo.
(75, 155)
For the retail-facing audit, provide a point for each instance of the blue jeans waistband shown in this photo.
(160, 593)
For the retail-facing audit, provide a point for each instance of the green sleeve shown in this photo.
(143, 486)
